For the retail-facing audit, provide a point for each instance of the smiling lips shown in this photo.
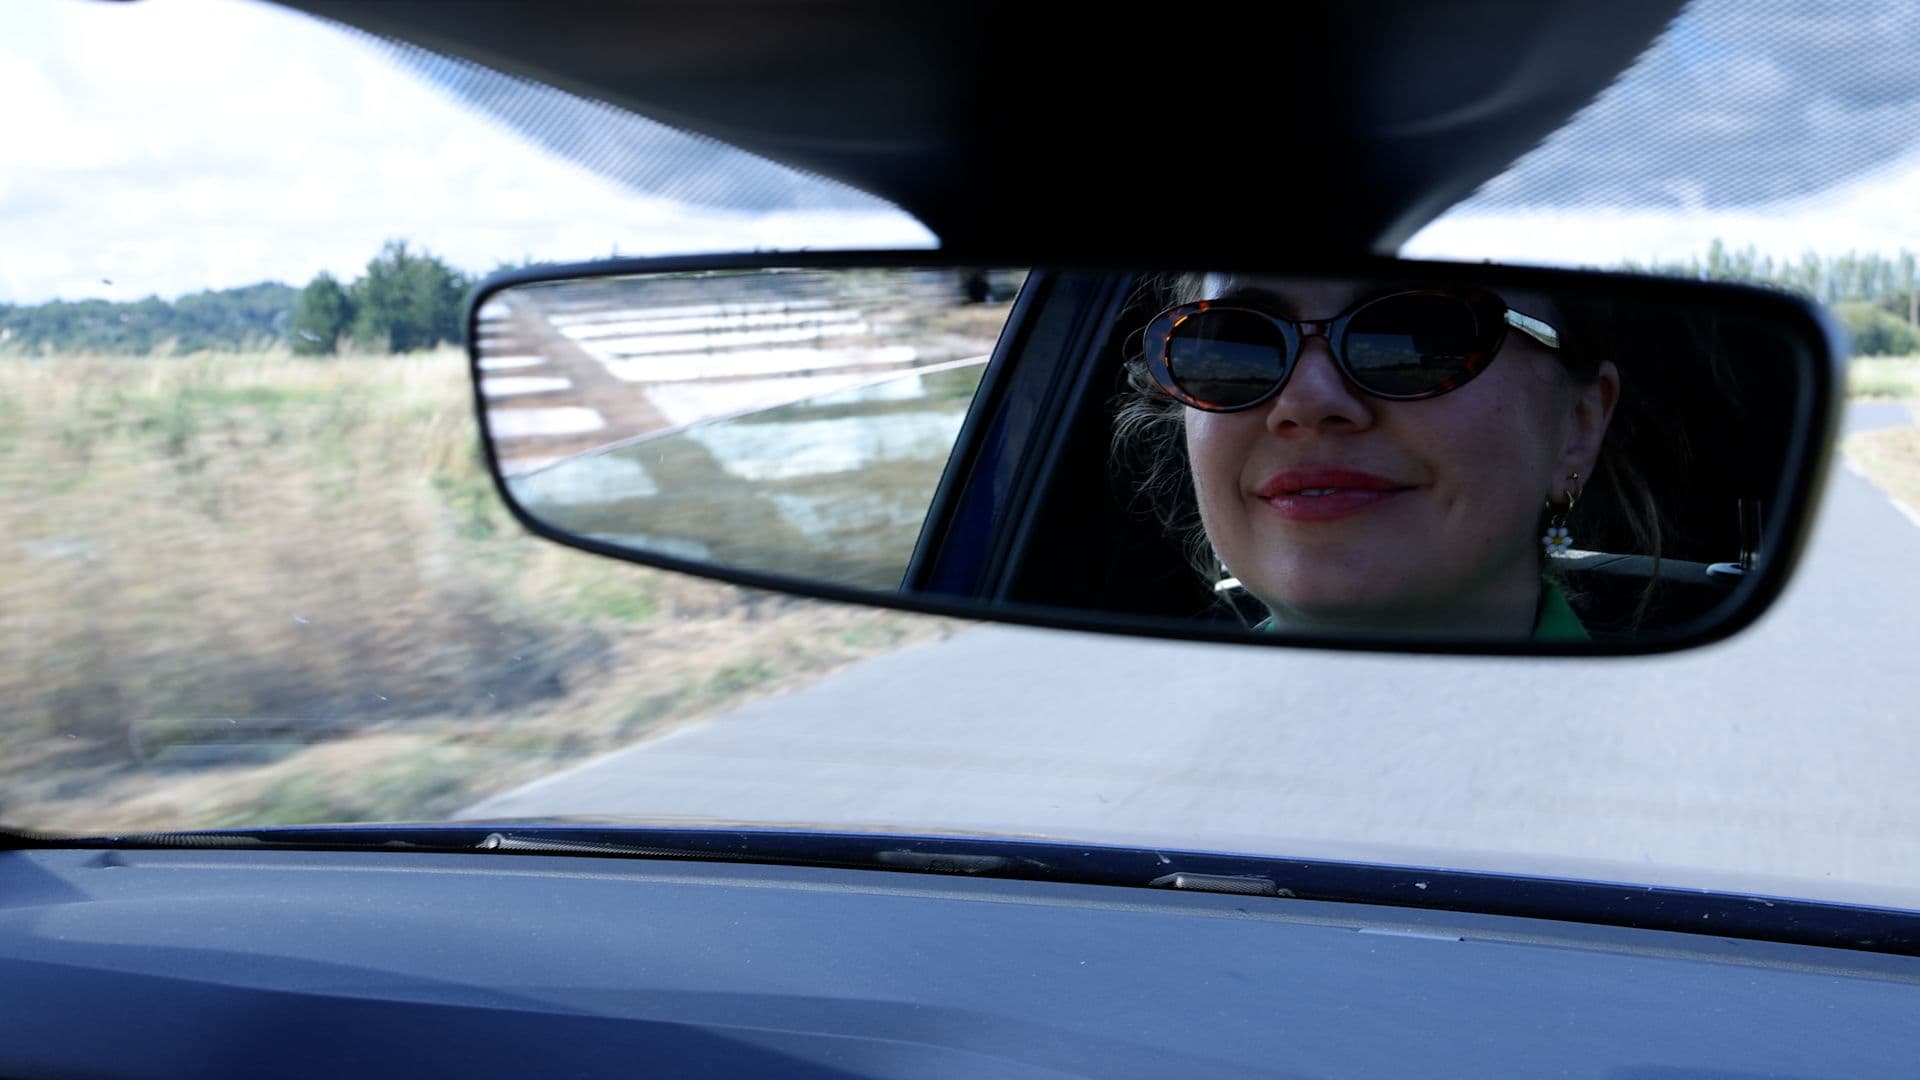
(1326, 493)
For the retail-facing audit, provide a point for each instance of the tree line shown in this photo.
(253, 317)
(404, 300)
(1875, 297)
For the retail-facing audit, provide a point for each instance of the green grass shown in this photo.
(1883, 377)
(471, 502)
(423, 783)
(870, 636)
(735, 678)
(656, 707)
(617, 601)
(299, 801)
(428, 782)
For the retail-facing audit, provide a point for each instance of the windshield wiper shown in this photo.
(948, 862)
(763, 846)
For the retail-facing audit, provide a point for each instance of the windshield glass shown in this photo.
(253, 570)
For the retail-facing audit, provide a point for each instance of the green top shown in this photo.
(1555, 621)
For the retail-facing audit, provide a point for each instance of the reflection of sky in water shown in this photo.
(780, 451)
(599, 478)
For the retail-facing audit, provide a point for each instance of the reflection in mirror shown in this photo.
(1455, 454)
(1453, 460)
(785, 422)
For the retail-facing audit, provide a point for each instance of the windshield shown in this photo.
(253, 571)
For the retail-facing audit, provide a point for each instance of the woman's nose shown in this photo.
(1318, 396)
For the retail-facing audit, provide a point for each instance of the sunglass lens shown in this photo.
(1225, 358)
(1414, 345)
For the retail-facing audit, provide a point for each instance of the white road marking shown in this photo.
(596, 313)
(629, 344)
(689, 366)
(692, 402)
(561, 420)
(508, 363)
(724, 329)
(500, 386)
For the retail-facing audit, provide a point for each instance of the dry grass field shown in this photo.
(256, 589)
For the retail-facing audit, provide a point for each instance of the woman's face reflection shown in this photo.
(1338, 509)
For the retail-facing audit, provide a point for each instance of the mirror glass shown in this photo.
(786, 422)
(1425, 454)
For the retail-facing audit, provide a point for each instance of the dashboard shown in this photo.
(158, 963)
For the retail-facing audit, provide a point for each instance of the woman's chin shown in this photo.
(1376, 613)
(1342, 618)
(1325, 593)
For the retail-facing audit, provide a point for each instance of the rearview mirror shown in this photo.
(1379, 453)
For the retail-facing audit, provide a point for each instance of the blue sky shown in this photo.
(173, 145)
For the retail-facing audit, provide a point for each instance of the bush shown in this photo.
(320, 316)
(1875, 331)
(407, 301)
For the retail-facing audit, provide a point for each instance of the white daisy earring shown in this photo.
(1556, 540)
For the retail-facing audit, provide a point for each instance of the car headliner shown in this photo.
(1008, 129)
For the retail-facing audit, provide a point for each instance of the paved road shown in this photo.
(1793, 751)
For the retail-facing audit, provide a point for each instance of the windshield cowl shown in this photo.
(1721, 914)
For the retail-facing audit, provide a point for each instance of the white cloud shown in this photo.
(170, 147)
(1873, 213)
(188, 144)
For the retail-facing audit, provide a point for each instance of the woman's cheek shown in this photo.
(1211, 457)
(1217, 459)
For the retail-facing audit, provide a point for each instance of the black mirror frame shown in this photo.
(1819, 403)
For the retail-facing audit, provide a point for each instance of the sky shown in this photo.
(168, 146)
(1788, 125)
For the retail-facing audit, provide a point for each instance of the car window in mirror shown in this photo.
(1415, 454)
(792, 422)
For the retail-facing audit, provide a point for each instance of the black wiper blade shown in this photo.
(917, 859)
(761, 846)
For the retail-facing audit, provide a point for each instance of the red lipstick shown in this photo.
(1326, 492)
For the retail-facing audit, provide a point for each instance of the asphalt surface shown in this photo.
(1791, 753)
